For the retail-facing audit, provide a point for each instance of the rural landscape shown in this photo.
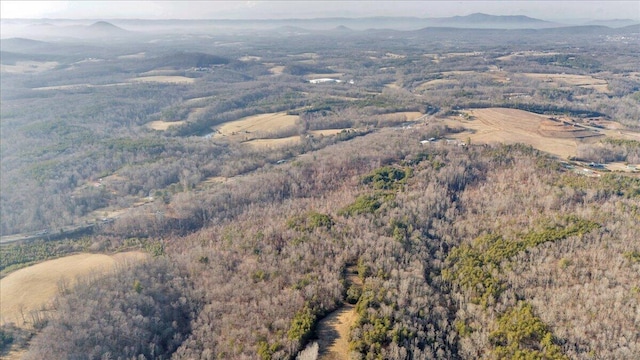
(340, 188)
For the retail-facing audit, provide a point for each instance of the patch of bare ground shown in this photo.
(32, 288)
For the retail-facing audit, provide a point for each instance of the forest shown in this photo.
(267, 202)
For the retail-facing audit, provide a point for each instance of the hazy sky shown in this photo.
(265, 9)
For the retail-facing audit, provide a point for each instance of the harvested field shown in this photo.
(165, 79)
(163, 125)
(246, 128)
(31, 288)
(572, 80)
(500, 125)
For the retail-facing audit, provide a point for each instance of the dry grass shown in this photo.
(165, 79)
(245, 128)
(273, 143)
(500, 125)
(276, 70)
(163, 125)
(333, 333)
(525, 54)
(250, 58)
(32, 288)
(140, 55)
(77, 86)
(28, 67)
(572, 80)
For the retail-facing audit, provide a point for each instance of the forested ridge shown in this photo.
(463, 249)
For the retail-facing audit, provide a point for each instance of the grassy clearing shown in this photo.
(246, 127)
(276, 70)
(28, 67)
(586, 81)
(31, 288)
(273, 143)
(163, 125)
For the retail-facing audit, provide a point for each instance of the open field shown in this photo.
(31, 288)
(276, 70)
(273, 143)
(165, 79)
(521, 54)
(265, 123)
(495, 125)
(28, 67)
(163, 125)
(585, 81)
(77, 86)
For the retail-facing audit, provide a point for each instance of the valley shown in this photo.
(306, 189)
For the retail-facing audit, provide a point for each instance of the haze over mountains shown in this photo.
(61, 28)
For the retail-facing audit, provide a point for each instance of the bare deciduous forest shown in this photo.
(464, 243)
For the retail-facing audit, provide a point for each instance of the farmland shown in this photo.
(28, 291)
(453, 183)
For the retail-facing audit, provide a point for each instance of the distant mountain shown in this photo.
(480, 20)
(23, 45)
(103, 29)
(614, 23)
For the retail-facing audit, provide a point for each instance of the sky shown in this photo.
(271, 9)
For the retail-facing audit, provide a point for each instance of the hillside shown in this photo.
(467, 193)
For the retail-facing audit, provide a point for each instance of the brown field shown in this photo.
(572, 80)
(31, 288)
(77, 86)
(165, 79)
(510, 126)
(163, 125)
(290, 140)
(265, 123)
(273, 143)
(28, 67)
